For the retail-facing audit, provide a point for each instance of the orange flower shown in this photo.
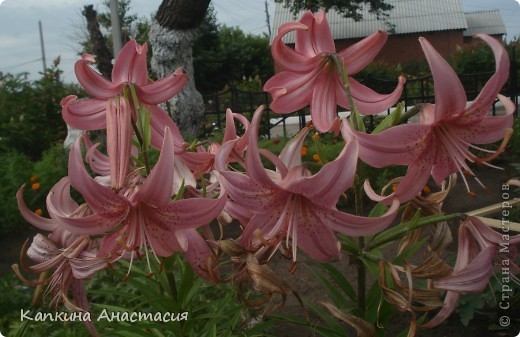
(36, 186)
(304, 151)
(315, 136)
(34, 179)
(316, 157)
(38, 212)
(426, 189)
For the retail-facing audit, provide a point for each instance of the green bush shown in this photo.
(30, 112)
(52, 167)
(16, 170)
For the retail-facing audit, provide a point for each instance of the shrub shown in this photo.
(16, 170)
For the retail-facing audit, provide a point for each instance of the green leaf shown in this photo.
(341, 281)
(338, 298)
(378, 210)
(391, 120)
(372, 266)
(331, 322)
(410, 251)
(348, 244)
(468, 305)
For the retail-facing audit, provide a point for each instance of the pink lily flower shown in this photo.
(238, 149)
(311, 75)
(293, 203)
(440, 143)
(200, 256)
(143, 209)
(478, 245)
(70, 265)
(129, 68)
(198, 162)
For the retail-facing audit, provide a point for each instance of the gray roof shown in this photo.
(489, 22)
(407, 16)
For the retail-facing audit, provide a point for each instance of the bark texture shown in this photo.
(172, 35)
(100, 50)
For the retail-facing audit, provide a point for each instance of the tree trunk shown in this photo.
(99, 48)
(172, 34)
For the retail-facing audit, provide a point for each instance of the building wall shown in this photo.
(405, 48)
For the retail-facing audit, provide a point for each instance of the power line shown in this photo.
(21, 64)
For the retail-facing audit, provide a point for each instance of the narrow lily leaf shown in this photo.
(341, 281)
(410, 251)
(390, 120)
(157, 333)
(348, 244)
(319, 150)
(371, 265)
(334, 294)
(187, 283)
(378, 210)
(327, 318)
(180, 192)
(144, 114)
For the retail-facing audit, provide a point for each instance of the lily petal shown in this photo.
(317, 39)
(130, 65)
(94, 83)
(98, 197)
(286, 57)
(188, 213)
(37, 221)
(162, 90)
(370, 102)
(333, 179)
(157, 188)
(450, 97)
(85, 115)
(360, 54)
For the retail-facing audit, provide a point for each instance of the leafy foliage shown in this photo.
(227, 55)
(39, 177)
(348, 8)
(132, 26)
(16, 170)
(30, 113)
(212, 309)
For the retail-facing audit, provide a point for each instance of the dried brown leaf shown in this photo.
(363, 328)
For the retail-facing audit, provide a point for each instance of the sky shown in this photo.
(62, 22)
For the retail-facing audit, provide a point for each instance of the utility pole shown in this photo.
(116, 27)
(267, 19)
(42, 47)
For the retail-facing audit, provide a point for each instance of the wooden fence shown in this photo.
(416, 90)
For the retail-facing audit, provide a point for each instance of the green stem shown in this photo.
(361, 268)
(357, 124)
(139, 128)
(410, 113)
(362, 276)
(393, 234)
(169, 265)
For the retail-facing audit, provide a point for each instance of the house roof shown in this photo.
(489, 22)
(407, 16)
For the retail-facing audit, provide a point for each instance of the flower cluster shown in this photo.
(133, 209)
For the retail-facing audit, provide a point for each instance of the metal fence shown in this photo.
(415, 91)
